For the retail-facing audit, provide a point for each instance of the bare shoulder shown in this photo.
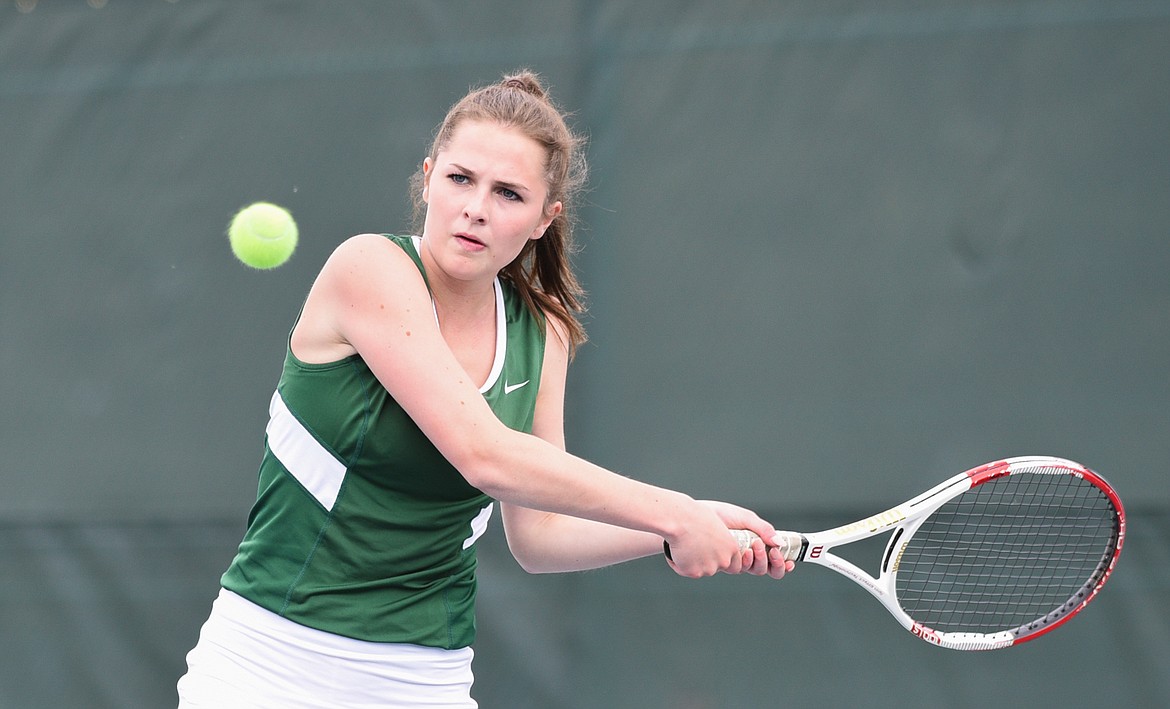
(365, 280)
(556, 339)
(366, 270)
(549, 421)
(368, 252)
(556, 358)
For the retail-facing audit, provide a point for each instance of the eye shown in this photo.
(510, 195)
(459, 178)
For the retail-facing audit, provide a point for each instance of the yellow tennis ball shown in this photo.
(263, 235)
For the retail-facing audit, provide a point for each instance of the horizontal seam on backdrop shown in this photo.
(79, 79)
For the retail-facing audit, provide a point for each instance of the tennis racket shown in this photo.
(987, 559)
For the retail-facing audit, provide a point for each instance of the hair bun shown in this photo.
(526, 82)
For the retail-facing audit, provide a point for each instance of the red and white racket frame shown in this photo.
(903, 520)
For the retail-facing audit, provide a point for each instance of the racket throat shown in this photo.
(890, 547)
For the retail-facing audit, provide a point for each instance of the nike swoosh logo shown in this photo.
(509, 388)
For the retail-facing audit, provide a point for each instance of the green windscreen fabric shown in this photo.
(835, 252)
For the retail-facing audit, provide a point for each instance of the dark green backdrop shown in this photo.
(835, 251)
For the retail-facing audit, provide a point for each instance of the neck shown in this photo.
(458, 301)
(463, 311)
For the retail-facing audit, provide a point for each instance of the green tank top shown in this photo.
(360, 526)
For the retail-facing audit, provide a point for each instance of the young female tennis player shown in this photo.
(423, 380)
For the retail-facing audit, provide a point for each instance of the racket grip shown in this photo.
(789, 543)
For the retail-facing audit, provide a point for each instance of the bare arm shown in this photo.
(371, 299)
(545, 542)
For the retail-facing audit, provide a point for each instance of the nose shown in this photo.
(475, 209)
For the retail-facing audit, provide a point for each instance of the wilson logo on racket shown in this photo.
(872, 524)
(898, 559)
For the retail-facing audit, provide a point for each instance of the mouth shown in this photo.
(469, 241)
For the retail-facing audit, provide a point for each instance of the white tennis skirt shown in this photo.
(250, 658)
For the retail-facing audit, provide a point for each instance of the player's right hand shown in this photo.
(704, 547)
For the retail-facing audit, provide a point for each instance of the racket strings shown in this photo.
(1013, 551)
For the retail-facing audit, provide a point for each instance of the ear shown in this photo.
(428, 168)
(549, 215)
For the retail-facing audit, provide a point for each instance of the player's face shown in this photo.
(485, 194)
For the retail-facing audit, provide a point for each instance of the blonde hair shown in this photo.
(542, 274)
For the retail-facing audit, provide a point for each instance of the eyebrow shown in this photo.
(499, 183)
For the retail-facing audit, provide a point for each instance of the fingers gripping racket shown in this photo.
(989, 558)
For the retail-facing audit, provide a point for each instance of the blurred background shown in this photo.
(835, 250)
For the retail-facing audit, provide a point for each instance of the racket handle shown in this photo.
(789, 543)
